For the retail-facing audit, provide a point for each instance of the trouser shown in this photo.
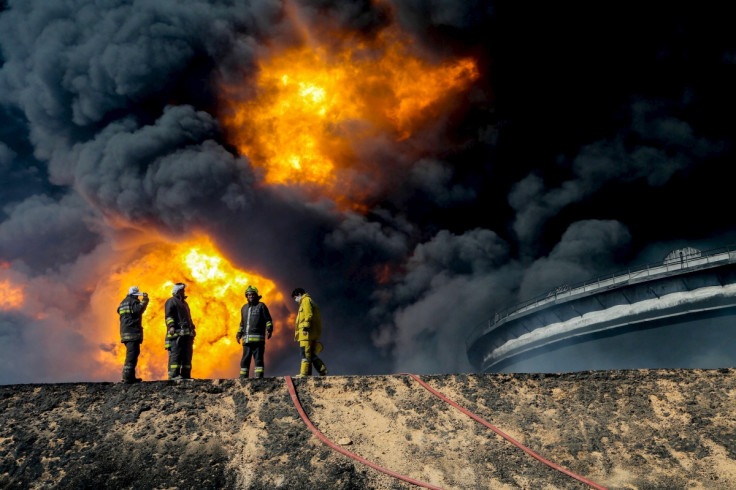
(132, 351)
(256, 350)
(309, 350)
(180, 357)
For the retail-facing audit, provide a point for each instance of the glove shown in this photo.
(239, 337)
(269, 333)
(171, 330)
(305, 331)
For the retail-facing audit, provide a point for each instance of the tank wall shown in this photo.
(564, 310)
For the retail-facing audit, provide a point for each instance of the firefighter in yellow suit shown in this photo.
(308, 331)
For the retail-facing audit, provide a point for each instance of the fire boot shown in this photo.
(243, 374)
(129, 375)
(306, 369)
(320, 366)
(259, 372)
(126, 374)
(174, 371)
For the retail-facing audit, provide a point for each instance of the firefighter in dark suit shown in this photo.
(180, 333)
(255, 327)
(131, 331)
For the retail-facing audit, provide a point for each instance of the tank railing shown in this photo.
(678, 263)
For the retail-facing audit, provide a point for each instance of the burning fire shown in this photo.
(215, 295)
(313, 106)
(11, 296)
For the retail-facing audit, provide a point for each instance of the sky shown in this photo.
(452, 158)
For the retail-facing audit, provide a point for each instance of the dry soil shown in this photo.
(640, 429)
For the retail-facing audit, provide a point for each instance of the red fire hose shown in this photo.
(337, 448)
(505, 436)
(295, 399)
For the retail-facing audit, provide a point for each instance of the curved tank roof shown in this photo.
(681, 254)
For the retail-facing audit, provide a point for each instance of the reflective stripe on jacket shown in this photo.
(177, 315)
(131, 318)
(255, 321)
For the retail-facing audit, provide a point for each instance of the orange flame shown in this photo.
(11, 296)
(215, 295)
(313, 106)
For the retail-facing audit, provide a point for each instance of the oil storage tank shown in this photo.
(685, 284)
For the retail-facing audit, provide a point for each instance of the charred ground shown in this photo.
(621, 429)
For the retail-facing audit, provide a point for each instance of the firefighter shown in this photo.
(180, 333)
(308, 331)
(255, 327)
(131, 331)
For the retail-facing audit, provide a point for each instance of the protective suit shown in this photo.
(131, 311)
(255, 327)
(308, 331)
(180, 333)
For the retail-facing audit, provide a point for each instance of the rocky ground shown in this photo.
(643, 429)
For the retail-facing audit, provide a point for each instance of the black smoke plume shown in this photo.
(594, 139)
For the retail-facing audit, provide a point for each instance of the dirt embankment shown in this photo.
(639, 429)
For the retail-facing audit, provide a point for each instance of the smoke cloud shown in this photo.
(653, 149)
(575, 152)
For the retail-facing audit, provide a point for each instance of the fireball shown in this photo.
(314, 105)
(11, 295)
